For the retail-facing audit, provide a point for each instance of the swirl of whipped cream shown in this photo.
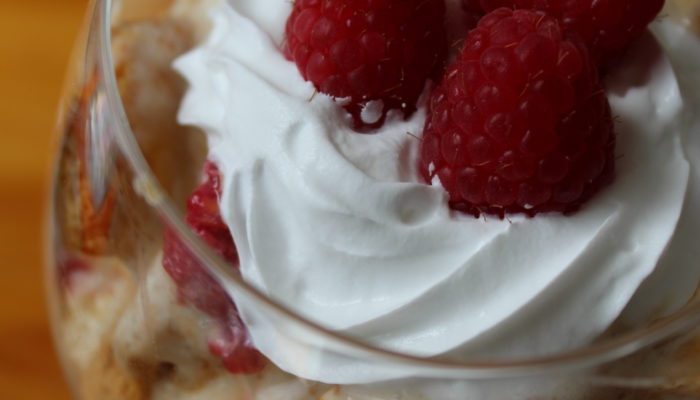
(337, 226)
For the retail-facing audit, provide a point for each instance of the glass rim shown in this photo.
(147, 185)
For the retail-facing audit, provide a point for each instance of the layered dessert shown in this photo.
(337, 187)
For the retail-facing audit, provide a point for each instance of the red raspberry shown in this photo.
(196, 287)
(607, 26)
(520, 122)
(368, 50)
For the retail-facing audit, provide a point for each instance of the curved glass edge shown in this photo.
(148, 187)
(80, 61)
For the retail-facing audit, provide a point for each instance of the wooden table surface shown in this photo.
(36, 37)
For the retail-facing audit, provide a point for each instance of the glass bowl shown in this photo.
(124, 330)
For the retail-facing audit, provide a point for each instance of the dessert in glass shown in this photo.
(260, 199)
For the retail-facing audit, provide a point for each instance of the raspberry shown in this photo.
(607, 26)
(520, 123)
(196, 287)
(368, 50)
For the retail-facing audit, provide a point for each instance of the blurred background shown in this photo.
(36, 37)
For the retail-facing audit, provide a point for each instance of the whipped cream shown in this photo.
(337, 226)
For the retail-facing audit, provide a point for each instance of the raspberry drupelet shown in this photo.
(368, 50)
(520, 123)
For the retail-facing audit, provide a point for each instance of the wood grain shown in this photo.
(36, 37)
